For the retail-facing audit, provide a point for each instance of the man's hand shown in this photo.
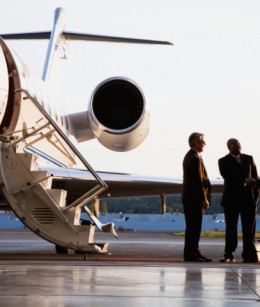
(250, 182)
(205, 204)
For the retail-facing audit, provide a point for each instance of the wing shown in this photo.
(76, 181)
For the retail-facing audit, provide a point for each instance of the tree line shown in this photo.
(152, 205)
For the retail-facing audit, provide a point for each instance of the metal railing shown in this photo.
(99, 188)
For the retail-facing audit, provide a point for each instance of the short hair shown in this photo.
(194, 137)
(232, 140)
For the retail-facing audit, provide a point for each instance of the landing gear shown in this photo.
(61, 250)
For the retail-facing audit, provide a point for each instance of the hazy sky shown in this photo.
(209, 81)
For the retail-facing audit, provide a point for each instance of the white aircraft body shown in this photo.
(33, 128)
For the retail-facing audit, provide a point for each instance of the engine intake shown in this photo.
(117, 104)
(118, 114)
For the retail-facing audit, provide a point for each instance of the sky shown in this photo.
(208, 82)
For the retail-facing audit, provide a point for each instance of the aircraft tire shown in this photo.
(61, 250)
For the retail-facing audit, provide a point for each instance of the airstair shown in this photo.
(29, 191)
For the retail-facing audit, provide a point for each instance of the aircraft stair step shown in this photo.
(39, 207)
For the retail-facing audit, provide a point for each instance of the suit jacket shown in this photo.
(196, 184)
(234, 174)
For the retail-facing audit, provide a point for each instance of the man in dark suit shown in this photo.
(239, 198)
(195, 196)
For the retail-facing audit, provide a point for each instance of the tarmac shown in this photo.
(141, 269)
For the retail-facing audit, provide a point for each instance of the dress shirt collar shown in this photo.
(238, 156)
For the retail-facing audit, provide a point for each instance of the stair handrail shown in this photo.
(101, 183)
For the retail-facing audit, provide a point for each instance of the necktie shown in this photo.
(238, 159)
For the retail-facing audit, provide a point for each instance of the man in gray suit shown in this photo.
(239, 198)
(195, 197)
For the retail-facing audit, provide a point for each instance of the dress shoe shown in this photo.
(205, 258)
(194, 259)
(227, 259)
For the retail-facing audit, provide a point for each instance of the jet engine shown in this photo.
(117, 116)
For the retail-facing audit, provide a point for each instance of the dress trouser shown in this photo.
(193, 218)
(248, 220)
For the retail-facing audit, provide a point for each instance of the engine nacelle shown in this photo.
(117, 116)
